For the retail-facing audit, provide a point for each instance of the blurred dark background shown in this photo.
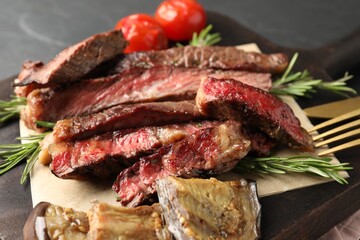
(38, 29)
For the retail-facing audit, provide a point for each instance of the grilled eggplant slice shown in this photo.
(110, 222)
(189, 209)
(210, 209)
(48, 221)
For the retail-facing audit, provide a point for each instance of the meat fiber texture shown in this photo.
(216, 57)
(107, 154)
(231, 99)
(131, 86)
(75, 61)
(79, 194)
(207, 152)
(125, 117)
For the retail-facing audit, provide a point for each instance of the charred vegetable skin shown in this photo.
(188, 209)
(210, 209)
(111, 222)
(48, 221)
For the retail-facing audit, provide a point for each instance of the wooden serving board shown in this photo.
(305, 213)
(309, 212)
(80, 194)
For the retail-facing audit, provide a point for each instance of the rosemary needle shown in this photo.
(13, 154)
(302, 84)
(320, 166)
(11, 109)
(44, 124)
(204, 38)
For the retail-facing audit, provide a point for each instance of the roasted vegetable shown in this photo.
(110, 222)
(210, 209)
(48, 221)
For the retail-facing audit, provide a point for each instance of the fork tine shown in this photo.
(339, 137)
(335, 120)
(340, 147)
(337, 129)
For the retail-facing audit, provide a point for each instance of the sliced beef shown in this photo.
(74, 62)
(261, 144)
(124, 117)
(107, 154)
(210, 209)
(206, 152)
(135, 85)
(229, 99)
(217, 57)
(28, 68)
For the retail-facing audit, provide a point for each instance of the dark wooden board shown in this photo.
(15, 199)
(300, 214)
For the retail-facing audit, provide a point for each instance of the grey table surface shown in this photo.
(39, 29)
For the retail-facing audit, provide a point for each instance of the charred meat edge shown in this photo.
(206, 152)
(75, 61)
(107, 154)
(124, 117)
(133, 86)
(216, 57)
(229, 99)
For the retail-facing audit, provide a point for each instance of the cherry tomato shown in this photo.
(143, 33)
(181, 18)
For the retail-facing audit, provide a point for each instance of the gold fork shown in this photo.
(337, 130)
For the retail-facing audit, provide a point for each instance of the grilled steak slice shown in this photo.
(28, 68)
(76, 61)
(107, 154)
(135, 85)
(261, 143)
(206, 152)
(217, 57)
(124, 117)
(210, 209)
(143, 223)
(235, 100)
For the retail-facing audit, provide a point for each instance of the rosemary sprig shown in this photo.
(320, 166)
(13, 154)
(204, 38)
(44, 124)
(11, 109)
(338, 86)
(303, 84)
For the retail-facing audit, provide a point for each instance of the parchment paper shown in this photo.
(80, 194)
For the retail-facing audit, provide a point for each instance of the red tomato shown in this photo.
(181, 18)
(143, 33)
